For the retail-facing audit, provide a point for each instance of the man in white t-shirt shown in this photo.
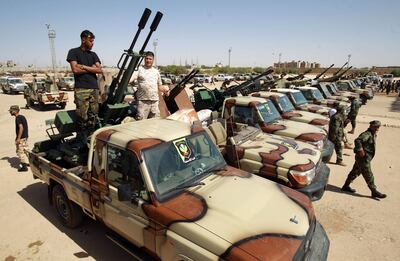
(149, 83)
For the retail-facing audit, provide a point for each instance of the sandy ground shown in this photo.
(359, 227)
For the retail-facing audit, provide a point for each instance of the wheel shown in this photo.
(69, 213)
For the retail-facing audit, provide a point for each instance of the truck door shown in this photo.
(125, 217)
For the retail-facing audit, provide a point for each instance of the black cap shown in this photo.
(87, 33)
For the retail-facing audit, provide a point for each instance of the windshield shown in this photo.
(308, 94)
(69, 79)
(285, 104)
(325, 90)
(299, 98)
(268, 112)
(318, 95)
(15, 81)
(181, 162)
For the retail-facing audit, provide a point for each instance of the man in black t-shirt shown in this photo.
(85, 64)
(21, 139)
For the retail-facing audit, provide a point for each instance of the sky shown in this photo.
(203, 31)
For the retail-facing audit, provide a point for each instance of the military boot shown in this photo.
(23, 167)
(340, 162)
(377, 194)
(346, 187)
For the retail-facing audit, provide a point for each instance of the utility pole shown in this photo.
(155, 43)
(229, 58)
(52, 35)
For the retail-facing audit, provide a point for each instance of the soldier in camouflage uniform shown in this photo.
(365, 152)
(355, 106)
(336, 134)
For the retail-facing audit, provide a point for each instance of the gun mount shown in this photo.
(112, 111)
(205, 98)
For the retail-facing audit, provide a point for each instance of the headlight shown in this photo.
(318, 144)
(303, 177)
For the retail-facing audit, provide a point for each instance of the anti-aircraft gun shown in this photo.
(341, 68)
(297, 81)
(205, 98)
(298, 77)
(111, 112)
(336, 77)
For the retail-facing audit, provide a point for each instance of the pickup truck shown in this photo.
(164, 187)
(300, 102)
(222, 77)
(261, 113)
(347, 85)
(313, 95)
(289, 162)
(322, 87)
(289, 112)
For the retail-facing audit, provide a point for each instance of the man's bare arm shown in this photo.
(95, 68)
(76, 68)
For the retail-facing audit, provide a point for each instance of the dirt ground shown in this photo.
(359, 227)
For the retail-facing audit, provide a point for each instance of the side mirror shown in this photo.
(124, 192)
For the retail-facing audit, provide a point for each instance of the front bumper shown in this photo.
(319, 245)
(317, 187)
(327, 151)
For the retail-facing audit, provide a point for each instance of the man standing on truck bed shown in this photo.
(85, 64)
(21, 140)
(365, 151)
(149, 83)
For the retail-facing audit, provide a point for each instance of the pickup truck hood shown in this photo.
(238, 206)
(293, 129)
(333, 103)
(306, 117)
(280, 152)
(323, 110)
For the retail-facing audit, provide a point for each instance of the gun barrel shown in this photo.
(245, 84)
(134, 62)
(180, 85)
(125, 56)
(340, 68)
(322, 73)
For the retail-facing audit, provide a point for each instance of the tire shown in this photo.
(69, 213)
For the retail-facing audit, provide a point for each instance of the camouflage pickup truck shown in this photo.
(293, 163)
(261, 113)
(300, 102)
(313, 95)
(289, 112)
(350, 86)
(44, 92)
(323, 88)
(164, 187)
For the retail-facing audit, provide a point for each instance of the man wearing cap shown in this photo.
(21, 140)
(351, 117)
(85, 64)
(149, 83)
(336, 134)
(365, 152)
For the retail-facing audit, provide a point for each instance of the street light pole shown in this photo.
(348, 60)
(229, 59)
(155, 43)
